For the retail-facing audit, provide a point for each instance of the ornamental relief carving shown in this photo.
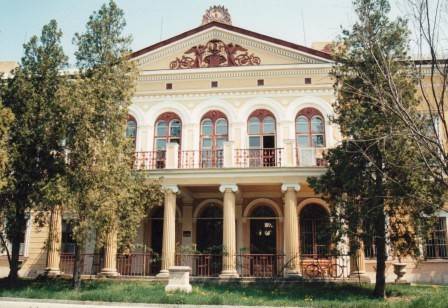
(215, 53)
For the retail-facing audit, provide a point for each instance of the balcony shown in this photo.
(228, 157)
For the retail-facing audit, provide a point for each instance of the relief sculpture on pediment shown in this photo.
(215, 53)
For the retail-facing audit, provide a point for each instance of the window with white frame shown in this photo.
(436, 245)
(310, 128)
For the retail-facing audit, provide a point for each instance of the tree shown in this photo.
(430, 19)
(6, 119)
(106, 196)
(33, 95)
(377, 172)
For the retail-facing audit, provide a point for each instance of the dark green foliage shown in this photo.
(104, 195)
(377, 171)
(36, 159)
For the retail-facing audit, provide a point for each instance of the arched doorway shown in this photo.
(262, 261)
(263, 231)
(315, 235)
(261, 129)
(209, 229)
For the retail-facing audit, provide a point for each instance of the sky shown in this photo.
(149, 21)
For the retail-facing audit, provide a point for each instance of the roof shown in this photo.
(233, 29)
(7, 66)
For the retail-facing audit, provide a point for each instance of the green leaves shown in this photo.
(105, 192)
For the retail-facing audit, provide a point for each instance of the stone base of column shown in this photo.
(163, 274)
(229, 275)
(109, 273)
(52, 272)
(291, 273)
(360, 276)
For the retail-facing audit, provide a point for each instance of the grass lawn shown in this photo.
(320, 295)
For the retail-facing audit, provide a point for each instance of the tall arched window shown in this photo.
(168, 129)
(261, 128)
(209, 228)
(131, 128)
(310, 128)
(314, 231)
(214, 132)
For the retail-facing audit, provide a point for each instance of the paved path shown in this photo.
(8, 302)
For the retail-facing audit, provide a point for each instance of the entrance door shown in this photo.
(209, 242)
(263, 240)
(262, 236)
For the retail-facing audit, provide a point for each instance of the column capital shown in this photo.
(287, 186)
(171, 188)
(232, 187)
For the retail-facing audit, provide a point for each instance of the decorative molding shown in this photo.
(216, 74)
(232, 187)
(171, 188)
(237, 92)
(215, 53)
(285, 187)
(217, 33)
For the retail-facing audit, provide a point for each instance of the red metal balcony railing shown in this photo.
(90, 264)
(260, 265)
(202, 265)
(149, 160)
(193, 159)
(258, 158)
(138, 264)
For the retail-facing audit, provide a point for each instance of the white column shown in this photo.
(229, 232)
(228, 155)
(288, 159)
(54, 243)
(172, 156)
(169, 230)
(110, 254)
(291, 229)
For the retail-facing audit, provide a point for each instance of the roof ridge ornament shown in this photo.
(216, 13)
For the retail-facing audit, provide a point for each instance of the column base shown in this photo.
(291, 273)
(360, 276)
(52, 272)
(109, 273)
(229, 274)
(163, 274)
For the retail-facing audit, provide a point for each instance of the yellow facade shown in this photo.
(245, 182)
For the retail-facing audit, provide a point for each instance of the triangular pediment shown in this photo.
(216, 45)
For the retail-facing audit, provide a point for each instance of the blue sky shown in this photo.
(150, 20)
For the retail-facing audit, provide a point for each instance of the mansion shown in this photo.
(232, 122)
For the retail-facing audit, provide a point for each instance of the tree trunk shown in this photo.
(15, 238)
(76, 280)
(380, 230)
(15, 255)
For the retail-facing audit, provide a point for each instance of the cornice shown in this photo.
(270, 71)
(151, 96)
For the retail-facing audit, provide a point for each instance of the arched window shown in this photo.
(261, 128)
(131, 128)
(214, 132)
(314, 231)
(168, 129)
(310, 128)
(209, 228)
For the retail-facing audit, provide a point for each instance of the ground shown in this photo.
(270, 294)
